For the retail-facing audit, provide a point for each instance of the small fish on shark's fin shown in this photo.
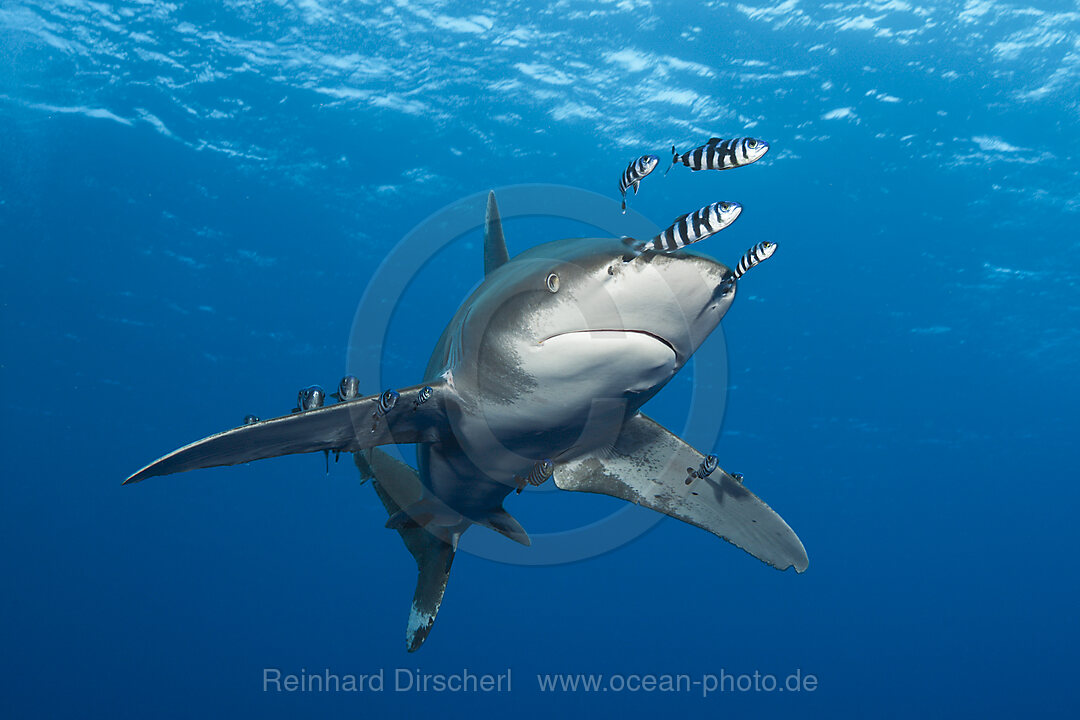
(495, 254)
(396, 484)
(650, 466)
(343, 427)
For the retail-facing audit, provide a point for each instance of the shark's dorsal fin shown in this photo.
(398, 484)
(495, 254)
(652, 467)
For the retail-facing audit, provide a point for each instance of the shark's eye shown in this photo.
(751, 143)
(552, 283)
(724, 207)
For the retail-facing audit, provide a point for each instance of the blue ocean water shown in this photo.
(193, 197)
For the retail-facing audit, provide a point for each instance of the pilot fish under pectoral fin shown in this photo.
(396, 483)
(343, 427)
(648, 466)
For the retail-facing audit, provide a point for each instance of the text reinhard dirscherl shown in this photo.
(414, 680)
(401, 680)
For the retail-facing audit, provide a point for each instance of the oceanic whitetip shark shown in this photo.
(546, 365)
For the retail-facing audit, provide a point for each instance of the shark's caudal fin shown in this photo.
(495, 254)
(650, 466)
(346, 427)
(398, 485)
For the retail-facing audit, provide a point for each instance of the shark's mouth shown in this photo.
(601, 333)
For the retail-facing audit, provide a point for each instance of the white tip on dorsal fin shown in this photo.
(495, 254)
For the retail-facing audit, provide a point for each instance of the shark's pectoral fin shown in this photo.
(347, 426)
(504, 523)
(495, 254)
(650, 466)
(396, 484)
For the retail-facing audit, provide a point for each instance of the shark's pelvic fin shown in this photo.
(431, 514)
(650, 466)
(504, 523)
(495, 254)
(346, 426)
(396, 483)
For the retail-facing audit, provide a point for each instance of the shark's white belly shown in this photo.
(576, 402)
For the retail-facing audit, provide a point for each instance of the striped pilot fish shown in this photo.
(635, 172)
(387, 401)
(310, 398)
(423, 396)
(719, 154)
(540, 473)
(708, 466)
(348, 388)
(695, 226)
(758, 253)
(705, 469)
